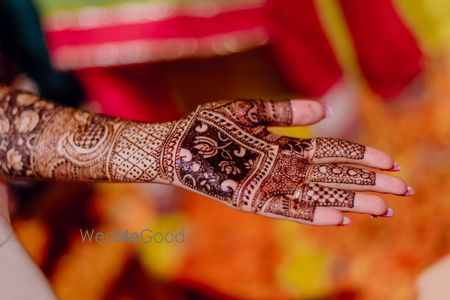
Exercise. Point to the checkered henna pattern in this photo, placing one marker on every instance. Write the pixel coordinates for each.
(222, 150)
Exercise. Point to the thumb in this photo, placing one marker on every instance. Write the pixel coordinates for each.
(292, 112)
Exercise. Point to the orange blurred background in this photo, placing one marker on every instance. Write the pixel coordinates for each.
(233, 255)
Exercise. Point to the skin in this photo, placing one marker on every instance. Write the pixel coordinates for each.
(21, 278)
(222, 150)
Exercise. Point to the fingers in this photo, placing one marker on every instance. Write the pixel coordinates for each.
(335, 150)
(300, 210)
(357, 179)
(323, 196)
(306, 112)
(322, 216)
(291, 112)
(367, 204)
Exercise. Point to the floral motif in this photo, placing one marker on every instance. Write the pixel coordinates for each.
(3, 144)
(296, 146)
(26, 99)
(212, 162)
(4, 125)
(229, 167)
(27, 121)
(14, 159)
(207, 146)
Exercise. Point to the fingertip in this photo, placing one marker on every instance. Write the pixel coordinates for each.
(392, 184)
(379, 159)
(328, 216)
(367, 203)
(306, 112)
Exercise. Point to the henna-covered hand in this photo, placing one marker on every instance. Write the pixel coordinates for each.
(222, 150)
(225, 151)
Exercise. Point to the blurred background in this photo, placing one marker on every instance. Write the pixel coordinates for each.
(384, 67)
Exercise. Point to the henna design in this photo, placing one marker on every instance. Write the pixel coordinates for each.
(222, 149)
(325, 196)
(136, 152)
(40, 139)
(329, 147)
(311, 197)
(291, 208)
(22, 116)
(225, 154)
(212, 162)
(300, 147)
(334, 173)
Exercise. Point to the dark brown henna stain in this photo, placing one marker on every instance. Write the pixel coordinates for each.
(291, 208)
(22, 118)
(137, 151)
(300, 147)
(222, 150)
(41, 139)
(326, 196)
(270, 178)
(335, 173)
(213, 162)
(332, 148)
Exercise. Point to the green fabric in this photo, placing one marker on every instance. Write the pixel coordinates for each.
(48, 7)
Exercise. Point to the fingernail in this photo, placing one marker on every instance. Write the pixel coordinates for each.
(409, 191)
(395, 167)
(389, 213)
(345, 221)
(328, 110)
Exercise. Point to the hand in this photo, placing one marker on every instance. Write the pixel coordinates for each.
(224, 150)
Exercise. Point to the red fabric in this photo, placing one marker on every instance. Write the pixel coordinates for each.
(135, 92)
(176, 27)
(387, 52)
(301, 47)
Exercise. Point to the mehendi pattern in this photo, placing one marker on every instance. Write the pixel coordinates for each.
(225, 153)
(222, 149)
(335, 173)
(330, 147)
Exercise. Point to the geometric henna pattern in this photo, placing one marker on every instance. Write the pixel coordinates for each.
(311, 196)
(286, 206)
(222, 150)
(330, 147)
(326, 196)
(214, 157)
(136, 152)
(335, 173)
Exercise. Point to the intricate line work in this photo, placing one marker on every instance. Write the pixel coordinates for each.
(222, 150)
(257, 112)
(334, 173)
(329, 147)
(40, 139)
(324, 196)
(291, 208)
(225, 153)
(300, 147)
(136, 152)
(22, 117)
(213, 163)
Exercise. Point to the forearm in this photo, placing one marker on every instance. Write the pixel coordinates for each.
(39, 139)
